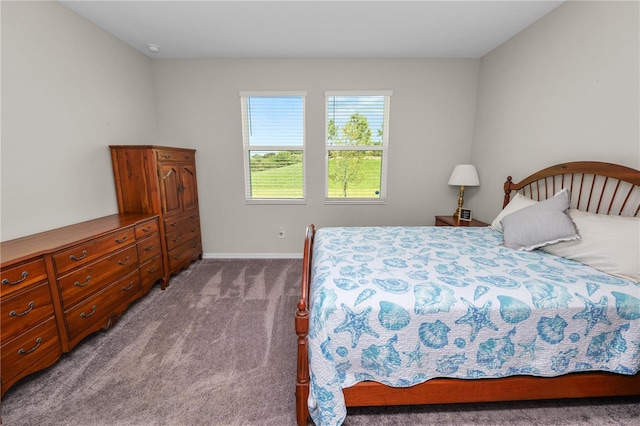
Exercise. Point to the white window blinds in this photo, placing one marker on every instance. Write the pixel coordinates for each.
(274, 142)
(357, 127)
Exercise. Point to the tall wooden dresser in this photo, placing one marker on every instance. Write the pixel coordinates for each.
(162, 180)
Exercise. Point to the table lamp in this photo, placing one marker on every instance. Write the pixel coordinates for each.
(463, 175)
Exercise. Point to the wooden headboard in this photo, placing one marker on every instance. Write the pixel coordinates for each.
(595, 187)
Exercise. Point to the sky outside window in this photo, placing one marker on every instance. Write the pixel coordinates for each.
(275, 120)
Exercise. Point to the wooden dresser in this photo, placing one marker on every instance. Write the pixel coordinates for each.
(162, 180)
(61, 285)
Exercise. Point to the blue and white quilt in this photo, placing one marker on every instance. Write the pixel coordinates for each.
(402, 305)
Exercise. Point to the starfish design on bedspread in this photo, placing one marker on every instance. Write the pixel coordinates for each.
(477, 318)
(414, 356)
(530, 348)
(425, 259)
(593, 313)
(356, 323)
(385, 270)
(335, 260)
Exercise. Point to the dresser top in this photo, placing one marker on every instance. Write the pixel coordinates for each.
(19, 249)
(150, 147)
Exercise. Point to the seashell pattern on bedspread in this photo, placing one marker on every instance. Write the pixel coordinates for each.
(402, 305)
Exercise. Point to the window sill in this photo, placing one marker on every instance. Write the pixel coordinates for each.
(335, 201)
(275, 201)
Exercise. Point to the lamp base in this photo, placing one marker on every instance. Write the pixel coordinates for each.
(456, 215)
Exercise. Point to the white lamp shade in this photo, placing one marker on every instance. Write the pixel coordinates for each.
(464, 175)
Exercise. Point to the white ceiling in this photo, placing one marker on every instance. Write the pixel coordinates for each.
(313, 29)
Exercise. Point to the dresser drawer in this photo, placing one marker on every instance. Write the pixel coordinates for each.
(148, 248)
(82, 282)
(143, 230)
(28, 348)
(185, 253)
(183, 234)
(25, 309)
(173, 155)
(85, 253)
(177, 222)
(18, 277)
(86, 316)
(150, 273)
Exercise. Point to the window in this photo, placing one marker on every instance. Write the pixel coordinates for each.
(357, 128)
(273, 140)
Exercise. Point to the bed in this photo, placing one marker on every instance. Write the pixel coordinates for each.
(432, 315)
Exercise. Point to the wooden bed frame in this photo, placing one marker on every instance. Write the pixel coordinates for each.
(596, 187)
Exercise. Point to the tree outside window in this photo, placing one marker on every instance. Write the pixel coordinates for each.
(356, 146)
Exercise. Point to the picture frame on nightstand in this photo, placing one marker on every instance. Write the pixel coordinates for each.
(465, 215)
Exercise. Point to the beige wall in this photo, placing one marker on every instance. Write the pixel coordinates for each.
(564, 89)
(431, 125)
(69, 90)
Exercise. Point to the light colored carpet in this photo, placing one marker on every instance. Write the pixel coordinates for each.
(218, 348)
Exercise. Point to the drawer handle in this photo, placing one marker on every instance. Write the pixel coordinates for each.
(93, 311)
(147, 229)
(187, 157)
(124, 262)
(77, 283)
(149, 248)
(84, 254)
(18, 281)
(122, 240)
(175, 240)
(23, 352)
(128, 288)
(193, 216)
(152, 270)
(15, 314)
(174, 224)
(167, 156)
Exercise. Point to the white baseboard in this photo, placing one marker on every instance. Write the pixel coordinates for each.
(252, 255)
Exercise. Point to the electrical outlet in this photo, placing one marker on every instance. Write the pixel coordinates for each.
(281, 233)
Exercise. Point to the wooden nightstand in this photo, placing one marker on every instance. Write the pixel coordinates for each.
(450, 221)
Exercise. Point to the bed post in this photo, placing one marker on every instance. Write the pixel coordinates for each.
(507, 191)
(302, 330)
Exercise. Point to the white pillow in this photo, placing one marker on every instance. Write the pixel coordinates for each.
(610, 244)
(541, 224)
(518, 202)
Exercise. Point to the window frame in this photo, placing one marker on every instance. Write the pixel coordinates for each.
(384, 148)
(247, 148)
